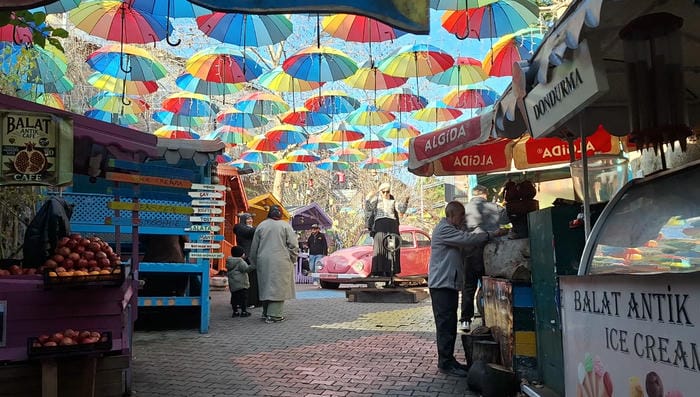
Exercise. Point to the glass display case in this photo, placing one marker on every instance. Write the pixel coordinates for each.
(651, 226)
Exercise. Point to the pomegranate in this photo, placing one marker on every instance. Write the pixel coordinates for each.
(43, 339)
(67, 341)
(103, 262)
(84, 334)
(72, 243)
(80, 249)
(29, 160)
(64, 241)
(74, 256)
(50, 344)
(58, 258)
(100, 255)
(57, 337)
(89, 255)
(50, 263)
(60, 269)
(82, 263)
(68, 264)
(94, 247)
(85, 242)
(76, 236)
(65, 251)
(15, 270)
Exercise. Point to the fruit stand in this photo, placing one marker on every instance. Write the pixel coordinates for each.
(66, 329)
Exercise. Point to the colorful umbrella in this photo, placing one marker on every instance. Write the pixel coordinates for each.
(194, 84)
(305, 117)
(371, 78)
(443, 5)
(245, 29)
(509, 49)
(465, 71)
(50, 99)
(350, 155)
(342, 134)
(114, 118)
(493, 20)
(375, 164)
(118, 21)
(330, 165)
(170, 8)
(126, 62)
(223, 158)
(393, 154)
(242, 164)
(416, 60)
(175, 132)
(39, 64)
(471, 98)
(236, 118)
(317, 143)
(302, 156)
(231, 135)
(60, 86)
(359, 29)
(259, 102)
(288, 166)
(57, 7)
(320, 64)
(287, 134)
(279, 80)
(222, 64)
(170, 118)
(404, 101)
(114, 103)
(437, 112)
(398, 130)
(371, 144)
(332, 102)
(264, 144)
(256, 156)
(368, 115)
(190, 104)
(106, 82)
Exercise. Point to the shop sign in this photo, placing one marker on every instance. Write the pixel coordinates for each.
(3, 323)
(631, 335)
(574, 84)
(37, 149)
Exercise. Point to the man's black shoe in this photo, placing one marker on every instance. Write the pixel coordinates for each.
(454, 371)
(460, 365)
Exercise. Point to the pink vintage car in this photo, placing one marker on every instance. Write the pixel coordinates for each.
(354, 264)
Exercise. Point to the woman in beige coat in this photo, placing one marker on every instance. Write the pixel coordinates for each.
(274, 253)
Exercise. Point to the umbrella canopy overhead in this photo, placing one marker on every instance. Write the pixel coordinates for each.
(305, 117)
(443, 5)
(371, 78)
(236, 118)
(332, 102)
(170, 118)
(43, 64)
(109, 83)
(114, 118)
(416, 60)
(288, 166)
(60, 86)
(404, 101)
(279, 80)
(259, 102)
(175, 132)
(359, 28)
(393, 154)
(127, 62)
(510, 49)
(470, 98)
(350, 155)
(118, 21)
(242, 165)
(437, 112)
(222, 64)
(256, 156)
(245, 29)
(114, 103)
(170, 8)
(330, 165)
(194, 84)
(50, 99)
(375, 164)
(190, 104)
(342, 133)
(231, 135)
(367, 144)
(492, 20)
(287, 135)
(57, 7)
(316, 143)
(465, 71)
(302, 156)
(320, 64)
(368, 115)
(398, 130)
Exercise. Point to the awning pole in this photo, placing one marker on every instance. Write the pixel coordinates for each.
(586, 192)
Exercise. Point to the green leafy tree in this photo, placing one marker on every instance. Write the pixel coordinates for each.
(42, 33)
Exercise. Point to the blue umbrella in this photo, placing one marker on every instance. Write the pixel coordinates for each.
(256, 156)
(170, 8)
(114, 118)
(60, 86)
(57, 7)
(170, 118)
(194, 84)
(236, 118)
(245, 29)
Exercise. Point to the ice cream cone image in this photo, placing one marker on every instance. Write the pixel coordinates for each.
(635, 387)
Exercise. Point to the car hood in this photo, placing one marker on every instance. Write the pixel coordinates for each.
(341, 261)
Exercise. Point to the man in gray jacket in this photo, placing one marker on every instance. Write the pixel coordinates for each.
(446, 278)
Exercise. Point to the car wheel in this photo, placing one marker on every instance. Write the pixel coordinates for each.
(329, 285)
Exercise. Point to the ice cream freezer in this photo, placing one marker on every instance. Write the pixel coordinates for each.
(630, 317)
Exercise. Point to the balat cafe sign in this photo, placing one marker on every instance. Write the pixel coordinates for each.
(35, 149)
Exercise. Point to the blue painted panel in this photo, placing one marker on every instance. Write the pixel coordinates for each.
(522, 296)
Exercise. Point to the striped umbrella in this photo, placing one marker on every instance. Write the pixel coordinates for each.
(242, 165)
(170, 118)
(320, 64)
(236, 118)
(349, 155)
(114, 118)
(332, 102)
(222, 64)
(176, 132)
(437, 112)
(305, 117)
(109, 83)
(403, 101)
(288, 166)
(190, 104)
(342, 133)
(471, 98)
(302, 156)
(259, 102)
(375, 164)
(194, 84)
(231, 135)
(368, 115)
(393, 154)
(331, 165)
(114, 103)
(256, 156)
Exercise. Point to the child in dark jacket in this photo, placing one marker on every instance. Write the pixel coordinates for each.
(238, 282)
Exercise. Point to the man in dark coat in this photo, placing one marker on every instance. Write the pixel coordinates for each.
(318, 248)
(50, 224)
(244, 231)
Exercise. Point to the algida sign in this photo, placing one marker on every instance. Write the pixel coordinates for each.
(36, 149)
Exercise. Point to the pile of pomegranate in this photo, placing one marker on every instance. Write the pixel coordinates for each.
(69, 337)
(15, 270)
(82, 256)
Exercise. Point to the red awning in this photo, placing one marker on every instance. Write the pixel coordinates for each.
(424, 149)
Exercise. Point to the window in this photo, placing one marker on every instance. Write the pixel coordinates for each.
(422, 240)
(407, 239)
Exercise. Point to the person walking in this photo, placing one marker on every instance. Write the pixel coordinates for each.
(382, 213)
(318, 248)
(238, 282)
(481, 216)
(244, 231)
(446, 280)
(274, 252)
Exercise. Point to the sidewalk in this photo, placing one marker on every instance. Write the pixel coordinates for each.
(327, 347)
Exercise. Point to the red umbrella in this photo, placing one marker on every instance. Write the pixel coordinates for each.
(404, 101)
(359, 29)
(118, 21)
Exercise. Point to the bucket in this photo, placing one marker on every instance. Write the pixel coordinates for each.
(606, 175)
